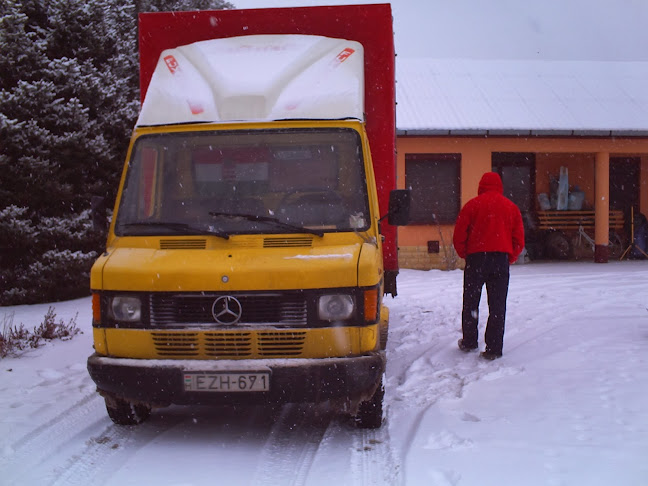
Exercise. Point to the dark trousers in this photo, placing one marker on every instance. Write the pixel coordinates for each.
(492, 269)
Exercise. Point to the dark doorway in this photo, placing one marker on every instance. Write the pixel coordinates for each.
(624, 184)
(517, 170)
(624, 189)
(518, 176)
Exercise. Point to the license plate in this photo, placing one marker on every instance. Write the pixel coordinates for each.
(227, 382)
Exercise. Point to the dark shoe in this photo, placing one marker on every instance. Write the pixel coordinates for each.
(490, 355)
(465, 348)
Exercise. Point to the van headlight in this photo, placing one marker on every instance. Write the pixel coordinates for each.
(126, 308)
(336, 307)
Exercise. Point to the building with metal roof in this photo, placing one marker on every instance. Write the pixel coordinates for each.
(531, 121)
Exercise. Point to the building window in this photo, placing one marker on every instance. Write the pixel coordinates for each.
(435, 182)
(517, 171)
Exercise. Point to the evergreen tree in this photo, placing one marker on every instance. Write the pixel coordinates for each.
(69, 97)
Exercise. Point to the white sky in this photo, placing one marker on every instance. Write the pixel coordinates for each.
(600, 30)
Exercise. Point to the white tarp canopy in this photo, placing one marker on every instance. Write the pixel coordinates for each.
(257, 77)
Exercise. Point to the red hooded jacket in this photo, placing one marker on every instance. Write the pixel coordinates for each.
(489, 222)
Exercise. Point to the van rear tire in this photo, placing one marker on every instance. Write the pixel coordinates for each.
(123, 412)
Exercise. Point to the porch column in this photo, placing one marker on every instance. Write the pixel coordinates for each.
(602, 207)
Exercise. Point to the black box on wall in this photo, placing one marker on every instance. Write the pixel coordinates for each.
(433, 246)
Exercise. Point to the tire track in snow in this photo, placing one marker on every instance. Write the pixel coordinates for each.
(292, 445)
(88, 466)
(373, 462)
(29, 453)
(109, 450)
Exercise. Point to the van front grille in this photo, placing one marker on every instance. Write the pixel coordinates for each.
(275, 344)
(170, 345)
(183, 310)
(229, 345)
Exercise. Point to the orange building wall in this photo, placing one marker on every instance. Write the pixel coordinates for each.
(578, 154)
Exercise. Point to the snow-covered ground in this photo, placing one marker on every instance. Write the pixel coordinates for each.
(566, 405)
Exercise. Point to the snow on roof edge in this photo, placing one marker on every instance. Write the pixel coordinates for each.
(498, 97)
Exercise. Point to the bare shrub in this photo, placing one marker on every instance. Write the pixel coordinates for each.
(16, 338)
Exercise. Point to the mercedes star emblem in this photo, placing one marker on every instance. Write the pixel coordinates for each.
(227, 310)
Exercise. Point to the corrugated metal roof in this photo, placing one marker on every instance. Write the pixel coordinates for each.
(466, 97)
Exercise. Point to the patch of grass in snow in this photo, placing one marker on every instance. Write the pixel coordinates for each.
(16, 338)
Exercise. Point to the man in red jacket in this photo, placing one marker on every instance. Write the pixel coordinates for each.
(489, 235)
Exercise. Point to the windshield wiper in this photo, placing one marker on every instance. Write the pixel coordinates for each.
(178, 228)
(268, 219)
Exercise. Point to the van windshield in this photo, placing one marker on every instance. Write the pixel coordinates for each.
(242, 182)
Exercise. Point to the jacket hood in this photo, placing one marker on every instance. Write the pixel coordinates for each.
(491, 181)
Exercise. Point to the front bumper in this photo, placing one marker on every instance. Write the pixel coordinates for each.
(160, 382)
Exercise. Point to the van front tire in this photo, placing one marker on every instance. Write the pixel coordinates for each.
(370, 413)
(123, 412)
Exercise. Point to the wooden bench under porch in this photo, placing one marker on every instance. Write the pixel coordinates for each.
(564, 239)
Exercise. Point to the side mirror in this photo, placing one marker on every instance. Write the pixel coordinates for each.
(98, 211)
(399, 207)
